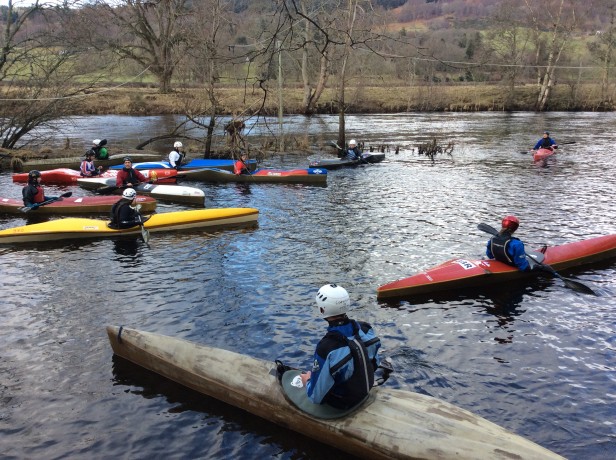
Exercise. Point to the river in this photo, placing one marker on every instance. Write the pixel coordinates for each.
(536, 358)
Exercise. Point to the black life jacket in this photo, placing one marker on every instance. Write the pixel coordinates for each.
(499, 245)
(116, 219)
(354, 390)
(546, 143)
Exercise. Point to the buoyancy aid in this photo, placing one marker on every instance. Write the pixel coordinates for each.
(499, 245)
(351, 392)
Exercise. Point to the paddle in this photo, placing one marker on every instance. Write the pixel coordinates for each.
(360, 159)
(51, 200)
(108, 189)
(575, 285)
(562, 143)
(145, 234)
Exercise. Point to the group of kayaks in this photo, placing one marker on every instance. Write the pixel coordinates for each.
(161, 185)
(390, 423)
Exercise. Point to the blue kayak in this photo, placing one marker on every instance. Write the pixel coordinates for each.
(197, 163)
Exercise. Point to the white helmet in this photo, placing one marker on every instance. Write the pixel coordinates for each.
(177, 145)
(352, 142)
(96, 142)
(332, 300)
(129, 194)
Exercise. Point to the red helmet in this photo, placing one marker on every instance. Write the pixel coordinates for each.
(511, 223)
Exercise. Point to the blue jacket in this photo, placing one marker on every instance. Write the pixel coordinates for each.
(507, 249)
(544, 143)
(333, 380)
(352, 154)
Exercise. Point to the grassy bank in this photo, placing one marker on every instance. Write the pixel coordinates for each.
(362, 99)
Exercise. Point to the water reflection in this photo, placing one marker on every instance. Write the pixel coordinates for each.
(499, 354)
(127, 250)
(215, 419)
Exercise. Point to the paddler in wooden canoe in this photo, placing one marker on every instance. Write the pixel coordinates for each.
(345, 361)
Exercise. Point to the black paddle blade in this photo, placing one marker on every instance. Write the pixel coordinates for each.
(106, 190)
(487, 228)
(579, 287)
(67, 194)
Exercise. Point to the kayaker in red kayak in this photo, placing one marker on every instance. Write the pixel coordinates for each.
(345, 359)
(33, 193)
(87, 168)
(546, 142)
(129, 176)
(506, 248)
(241, 167)
(125, 214)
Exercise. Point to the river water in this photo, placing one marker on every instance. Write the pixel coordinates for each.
(535, 358)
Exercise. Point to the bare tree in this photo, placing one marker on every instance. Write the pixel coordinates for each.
(559, 24)
(38, 74)
(509, 43)
(151, 33)
(602, 49)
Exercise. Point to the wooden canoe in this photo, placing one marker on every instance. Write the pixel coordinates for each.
(468, 273)
(391, 424)
(43, 164)
(76, 205)
(73, 228)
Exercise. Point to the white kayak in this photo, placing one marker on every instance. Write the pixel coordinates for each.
(175, 193)
(390, 424)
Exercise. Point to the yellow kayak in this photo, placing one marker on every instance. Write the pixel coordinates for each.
(72, 228)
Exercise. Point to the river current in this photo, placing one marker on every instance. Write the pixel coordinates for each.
(534, 357)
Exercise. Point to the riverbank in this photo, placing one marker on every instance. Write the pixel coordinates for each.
(359, 99)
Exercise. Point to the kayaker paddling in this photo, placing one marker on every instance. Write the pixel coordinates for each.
(546, 142)
(352, 152)
(33, 193)
(505, 248)
(241, 165)
(125, 213)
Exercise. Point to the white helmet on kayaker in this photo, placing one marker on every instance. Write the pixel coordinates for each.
(352, 143)
(177, 145)
(129, 194)
(96, 142)
(332, 300)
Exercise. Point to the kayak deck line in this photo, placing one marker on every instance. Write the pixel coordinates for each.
(392, 424)
(73, 227)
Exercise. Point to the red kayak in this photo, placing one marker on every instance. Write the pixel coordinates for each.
(66, 176)
(542, 154)
(464, 273)
(75, 205)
